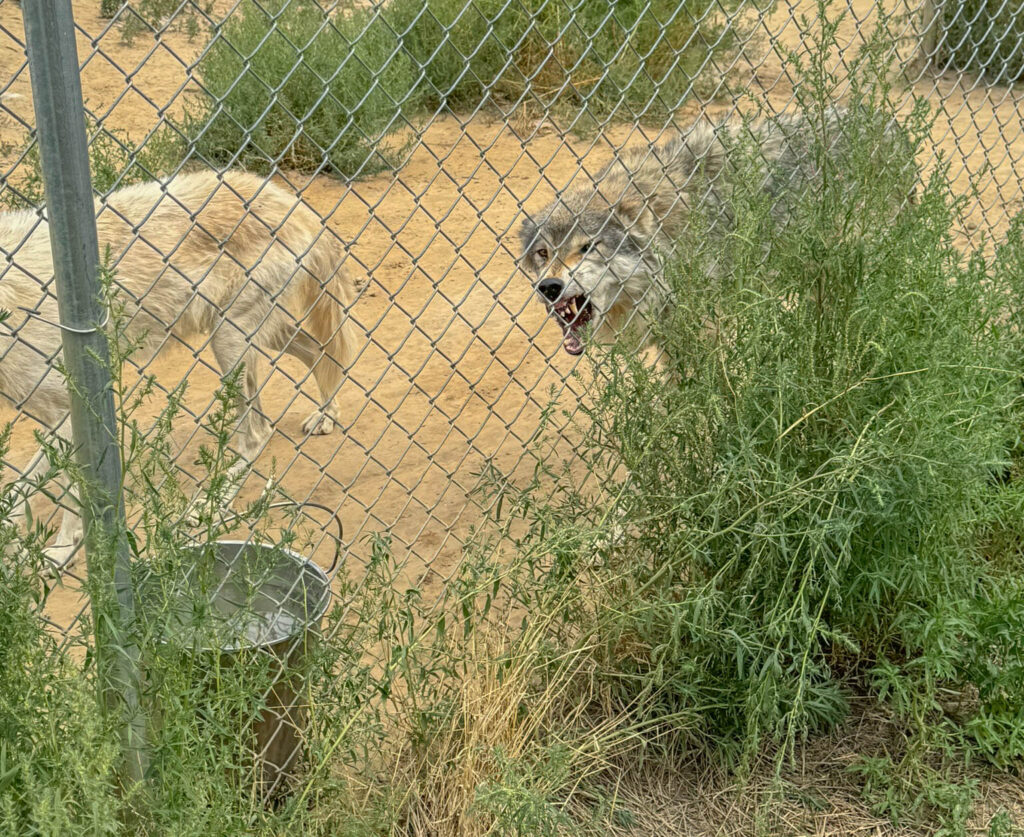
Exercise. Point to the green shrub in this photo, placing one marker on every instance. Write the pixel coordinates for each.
(802, 510)
(295, 85)
(162, 16)
(114, 161)
(983, 36)
(632, 59)
(291, 85)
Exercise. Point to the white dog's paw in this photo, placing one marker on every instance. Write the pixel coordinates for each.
(319, 423)
(62, 556)
(614, 538)
(197, 513)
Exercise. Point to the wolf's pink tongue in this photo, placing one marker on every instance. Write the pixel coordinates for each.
(572, 344)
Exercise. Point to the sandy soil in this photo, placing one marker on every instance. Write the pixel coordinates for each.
(459, 362)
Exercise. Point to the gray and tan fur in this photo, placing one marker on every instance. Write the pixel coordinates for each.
(228, 258)
(595, 253)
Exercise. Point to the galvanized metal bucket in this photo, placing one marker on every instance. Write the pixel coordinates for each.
(256, 598)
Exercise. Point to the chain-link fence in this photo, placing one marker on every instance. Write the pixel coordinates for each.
(418, 134)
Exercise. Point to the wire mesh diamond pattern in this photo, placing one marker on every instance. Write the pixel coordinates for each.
(419, 134)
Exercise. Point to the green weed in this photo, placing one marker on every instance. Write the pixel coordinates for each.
(115, 161)
(57, 751)
(983, 36)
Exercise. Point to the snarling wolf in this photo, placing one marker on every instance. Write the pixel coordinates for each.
(228, 258)
(595, 254)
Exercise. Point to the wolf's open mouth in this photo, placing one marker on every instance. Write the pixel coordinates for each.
(573, 314)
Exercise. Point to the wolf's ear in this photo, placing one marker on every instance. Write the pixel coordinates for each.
(635, 215)
(527, 236)
(527, 232)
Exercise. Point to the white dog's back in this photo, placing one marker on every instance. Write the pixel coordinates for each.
(187, 256)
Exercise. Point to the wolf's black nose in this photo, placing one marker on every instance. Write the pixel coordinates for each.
(551, 288)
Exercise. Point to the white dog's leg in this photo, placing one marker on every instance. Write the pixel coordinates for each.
(63, 551)
(328, 375)
(36, 468)
(230, 348)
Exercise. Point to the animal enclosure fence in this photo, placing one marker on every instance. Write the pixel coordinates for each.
(419, 134)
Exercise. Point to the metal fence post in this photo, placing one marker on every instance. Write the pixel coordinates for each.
(60, 125)
(931, 31)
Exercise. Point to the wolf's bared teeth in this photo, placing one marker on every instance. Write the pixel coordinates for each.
(574, 310)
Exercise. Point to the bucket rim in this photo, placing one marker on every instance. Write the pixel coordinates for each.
(313, 618)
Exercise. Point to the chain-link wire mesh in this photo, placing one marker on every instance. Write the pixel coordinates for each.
(418, 134)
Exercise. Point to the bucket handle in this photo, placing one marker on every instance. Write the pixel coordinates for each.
(339, 541)
(281, 504)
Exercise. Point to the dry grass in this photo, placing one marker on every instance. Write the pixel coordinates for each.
(499, 718)
(530, 748)
(816, 794)
(509, 715)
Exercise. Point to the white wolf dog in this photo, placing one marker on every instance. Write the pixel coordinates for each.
(230, 258)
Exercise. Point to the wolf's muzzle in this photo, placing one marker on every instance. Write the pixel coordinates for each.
(551, 289)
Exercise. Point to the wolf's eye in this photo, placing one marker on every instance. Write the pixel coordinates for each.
(586, 247)
(541, 253)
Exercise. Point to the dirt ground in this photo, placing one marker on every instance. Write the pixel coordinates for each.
(459, 362)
